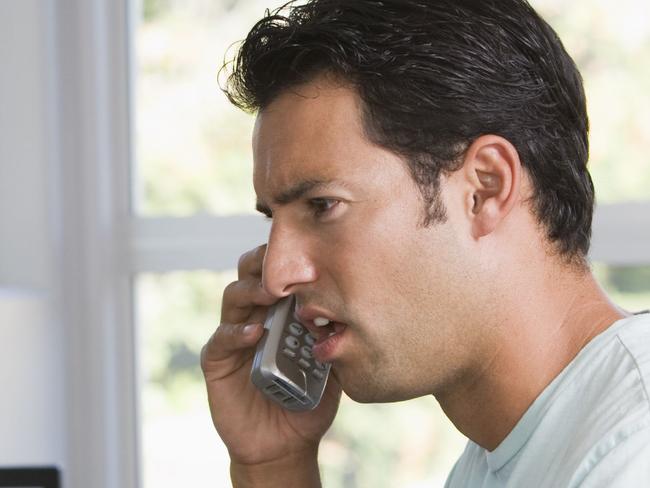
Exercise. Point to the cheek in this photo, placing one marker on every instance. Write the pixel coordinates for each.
(418, 282)
(383, 282)
(369, 259)
(386, 268)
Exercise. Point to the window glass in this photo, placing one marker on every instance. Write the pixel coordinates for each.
(193, 149)
(175, 314)
(404, 444)
(610, 42)
(193, 155)
(407, 444)
(628, 286)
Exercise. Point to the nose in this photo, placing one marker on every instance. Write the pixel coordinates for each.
(287, 262)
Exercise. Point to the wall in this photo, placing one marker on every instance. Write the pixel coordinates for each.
(32, 379)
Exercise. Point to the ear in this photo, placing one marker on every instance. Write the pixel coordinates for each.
(492, 172)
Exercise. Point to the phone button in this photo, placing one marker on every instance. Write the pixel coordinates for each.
(319, 365)
(310, 339)
(303, 363)
(305, 352)
(296, 329)
(319, 375)
(292, 342)
(289, 353)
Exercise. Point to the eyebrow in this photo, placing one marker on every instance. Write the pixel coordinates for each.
(294, 193)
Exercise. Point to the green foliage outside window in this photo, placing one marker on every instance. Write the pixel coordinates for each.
(193, 148)
(193, 155)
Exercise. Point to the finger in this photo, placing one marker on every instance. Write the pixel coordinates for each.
(228, 340)
(250, 263)
(258, 315)
(240, 298)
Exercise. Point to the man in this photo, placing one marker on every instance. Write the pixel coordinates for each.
(424, 164)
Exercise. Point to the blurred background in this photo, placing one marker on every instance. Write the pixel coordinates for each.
(126, 196)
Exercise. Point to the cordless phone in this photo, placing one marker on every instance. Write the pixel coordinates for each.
(283, 367)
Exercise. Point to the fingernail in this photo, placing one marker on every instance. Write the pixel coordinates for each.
(249, 329)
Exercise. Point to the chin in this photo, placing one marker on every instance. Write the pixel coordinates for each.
(364, 391)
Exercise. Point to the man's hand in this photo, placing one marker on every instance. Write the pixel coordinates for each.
(267, 444)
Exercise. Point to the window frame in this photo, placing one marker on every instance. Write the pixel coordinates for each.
(102, 246)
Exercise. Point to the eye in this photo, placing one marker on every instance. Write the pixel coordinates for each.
(322, 206)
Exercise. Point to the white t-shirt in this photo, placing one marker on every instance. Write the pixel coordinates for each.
(589, 428)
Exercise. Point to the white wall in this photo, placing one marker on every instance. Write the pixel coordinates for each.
(23, 211)
(32, 375)
(31, 420)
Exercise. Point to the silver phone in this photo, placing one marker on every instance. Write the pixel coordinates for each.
(284, 368)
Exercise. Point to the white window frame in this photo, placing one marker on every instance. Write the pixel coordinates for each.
(102, 246)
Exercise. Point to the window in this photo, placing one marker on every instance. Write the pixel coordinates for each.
(165, 201)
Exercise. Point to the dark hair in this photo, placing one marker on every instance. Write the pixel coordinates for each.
(434, 75)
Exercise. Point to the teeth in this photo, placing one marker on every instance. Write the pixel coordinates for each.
(321, 321)
(331, 334)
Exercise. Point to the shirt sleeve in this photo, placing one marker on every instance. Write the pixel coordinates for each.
(626, 465)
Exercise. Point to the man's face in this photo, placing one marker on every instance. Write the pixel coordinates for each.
(346, 239)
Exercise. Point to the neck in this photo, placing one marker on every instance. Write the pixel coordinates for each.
(532, 344)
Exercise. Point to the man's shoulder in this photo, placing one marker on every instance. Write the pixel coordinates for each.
(612, 371)
(606, 414)
(617, 462)
(635, 337)
(609, 392)
(595, 413)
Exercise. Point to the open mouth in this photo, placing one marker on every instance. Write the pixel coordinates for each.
(328, 338)
(328, 330)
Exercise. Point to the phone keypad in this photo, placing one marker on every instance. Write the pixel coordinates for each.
(289, 353)
(292, 342)
(305, 352)
(296, 329)
(299, 343)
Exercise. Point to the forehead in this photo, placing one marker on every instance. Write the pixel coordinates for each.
(310, 133)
